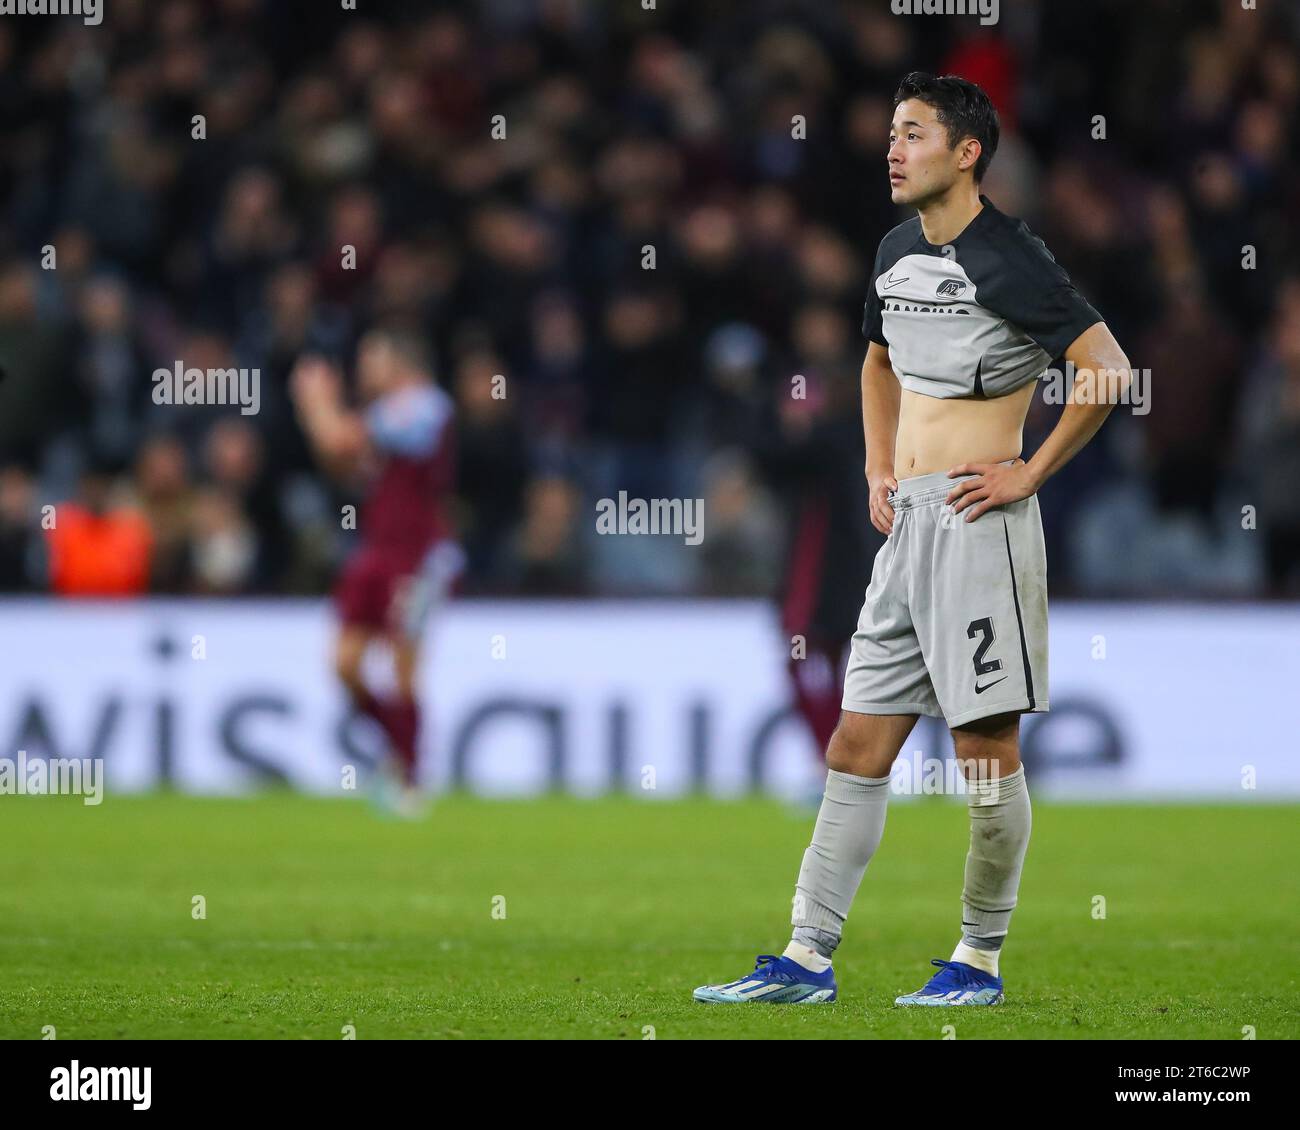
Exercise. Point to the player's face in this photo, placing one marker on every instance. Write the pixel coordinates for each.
(921, 166)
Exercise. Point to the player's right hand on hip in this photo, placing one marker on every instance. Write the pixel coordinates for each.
(882, 514)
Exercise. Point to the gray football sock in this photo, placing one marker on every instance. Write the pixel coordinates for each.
(999, 836)
(848, 830)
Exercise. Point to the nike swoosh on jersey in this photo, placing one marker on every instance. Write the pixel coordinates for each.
(987, 686)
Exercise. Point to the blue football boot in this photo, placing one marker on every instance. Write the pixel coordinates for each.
(775, 980)
(956, 983)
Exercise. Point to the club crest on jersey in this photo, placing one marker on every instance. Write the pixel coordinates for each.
(949, 288)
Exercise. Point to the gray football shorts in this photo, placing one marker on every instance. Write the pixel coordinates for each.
(955, 619)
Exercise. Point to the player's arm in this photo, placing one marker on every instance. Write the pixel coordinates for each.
(1032, 291)
(336, 433)
(1102, 377)
(881, 397)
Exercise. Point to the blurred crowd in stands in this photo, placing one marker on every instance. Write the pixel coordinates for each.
(1153, 146)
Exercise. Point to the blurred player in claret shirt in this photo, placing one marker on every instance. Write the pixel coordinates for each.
(400, 443)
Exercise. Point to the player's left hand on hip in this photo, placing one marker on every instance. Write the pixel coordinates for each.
(993, 485)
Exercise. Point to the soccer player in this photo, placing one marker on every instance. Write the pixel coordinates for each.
(965, 311)
(407, 561)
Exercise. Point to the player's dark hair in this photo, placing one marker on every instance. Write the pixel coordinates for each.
(963, 109)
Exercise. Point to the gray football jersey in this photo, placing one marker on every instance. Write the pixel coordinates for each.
(981, 319)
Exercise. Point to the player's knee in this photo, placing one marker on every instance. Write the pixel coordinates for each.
(852, 751)
(993, 741)
(840, 752)
(867, 745)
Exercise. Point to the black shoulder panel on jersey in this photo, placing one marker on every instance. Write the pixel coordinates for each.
(1016, 277)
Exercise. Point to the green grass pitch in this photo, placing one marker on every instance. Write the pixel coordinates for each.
(572, 918)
